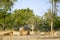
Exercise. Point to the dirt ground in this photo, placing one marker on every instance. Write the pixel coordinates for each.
(30, 37)
(39, 36)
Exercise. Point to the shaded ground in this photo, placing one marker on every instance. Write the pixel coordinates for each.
(39, 36)
(30, 37)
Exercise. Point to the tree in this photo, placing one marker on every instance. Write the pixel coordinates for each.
(9, 21)
(57, 24)
(31, 21)
(54, 10)
(54, 5)
(22, 17)
(38, 23)
(5, 6)
(50, 18)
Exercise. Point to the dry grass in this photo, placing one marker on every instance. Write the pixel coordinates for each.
(39, 36)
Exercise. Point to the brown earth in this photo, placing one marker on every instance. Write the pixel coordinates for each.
(30, 37)
(38, 36)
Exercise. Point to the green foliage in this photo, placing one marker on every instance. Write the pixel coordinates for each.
(22, 16)
(5, 6)
(57, 24)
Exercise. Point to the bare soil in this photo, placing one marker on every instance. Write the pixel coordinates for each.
(39, 36)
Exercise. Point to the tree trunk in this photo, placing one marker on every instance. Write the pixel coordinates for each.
(3, 26)
(54, 8)
(51, 26)
(52, 17)
(32, 27)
